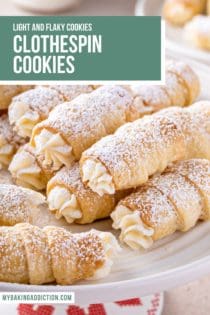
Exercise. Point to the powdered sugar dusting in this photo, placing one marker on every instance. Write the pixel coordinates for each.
(199, 130)
(142, 148)
(74, 256)
(17, 204)
(44, 255)
(8, 134)
(71, 177)
(154, 208)
(173, 200)
(188, 77)
(173, 93)
(197, 171)
(41, 100)
(148, 145)
(184, 196)
(91, 204)
(69, 92)
(12, 250)
(7, 92)
(89, 117)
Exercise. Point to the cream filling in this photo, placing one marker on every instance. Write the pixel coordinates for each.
(6, 152)
(97, 178)
(111, 250)
(23, 118)
(65, 204)
(26, 171)
(55, 151)
(133, 231)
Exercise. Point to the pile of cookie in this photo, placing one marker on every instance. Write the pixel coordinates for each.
(193, 15)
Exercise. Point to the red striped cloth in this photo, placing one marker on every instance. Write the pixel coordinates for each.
(151, 305)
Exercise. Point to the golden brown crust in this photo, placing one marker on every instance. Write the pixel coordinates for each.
(85, 248)
(142, 148)
(175, 200)
(148, 145)
(179, 12)
(40, 100)
(19, 205)
(27, 171)
(197, 172)
(89, 117)
(8, 134)
(155, 210)
(13, 260)
(37, 256)
(7, 92)
(181, 89)
(93, 206)
(188, 77)
(47, 172)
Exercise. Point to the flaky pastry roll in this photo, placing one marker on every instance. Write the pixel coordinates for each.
(181, 89)
(9, 141)
(32, 255)
(27, 171)
(179, 12)
(188, 77)
(173, 201)
(68, 197)
(18, 205)
(7, 92)
(140, 149)
(31, 107)
(73, 127)
(197, 32)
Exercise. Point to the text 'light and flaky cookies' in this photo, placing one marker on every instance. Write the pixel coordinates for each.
(197, 32)
(27, 171)
(181, 89)
(173, 201)
(32, 255)
(140, 149)
(18, 205)
(74, 126)
(68, 197)
(31, 107)
(179, 12)
(7, 92)
(9, 141)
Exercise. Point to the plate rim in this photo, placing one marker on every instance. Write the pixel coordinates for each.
(124, 289)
